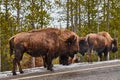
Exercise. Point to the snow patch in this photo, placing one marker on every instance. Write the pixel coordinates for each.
(56, 67)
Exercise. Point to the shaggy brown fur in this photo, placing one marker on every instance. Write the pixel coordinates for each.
(48, 43)
(99, 42)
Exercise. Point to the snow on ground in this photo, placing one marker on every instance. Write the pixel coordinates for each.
(56, 67)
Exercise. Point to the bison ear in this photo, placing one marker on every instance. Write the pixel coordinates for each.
(71, 39)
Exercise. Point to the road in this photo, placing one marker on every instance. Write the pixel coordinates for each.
(108, 70)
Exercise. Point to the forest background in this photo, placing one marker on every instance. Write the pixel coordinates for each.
(80, 16)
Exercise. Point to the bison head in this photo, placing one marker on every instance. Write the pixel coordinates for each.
(72, 47)
(72, 43)
(114, 45)
(83, 45)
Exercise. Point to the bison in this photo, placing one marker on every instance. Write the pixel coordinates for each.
(100, 42)
(48, 43)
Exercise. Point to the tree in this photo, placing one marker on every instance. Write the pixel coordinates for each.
(0, 35)
(71, 14)
(108, 15)
(67, 5)
(80, 16)
(6, 19)
(76, 16)
(38, 16)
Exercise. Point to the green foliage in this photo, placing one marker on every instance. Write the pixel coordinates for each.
(37, 15)
(87, 16)
(10, 23)
(6, 62)
(56, 61)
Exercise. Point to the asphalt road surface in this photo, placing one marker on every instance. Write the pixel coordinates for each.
(108, 70)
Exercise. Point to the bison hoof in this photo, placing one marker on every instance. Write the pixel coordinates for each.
(14, 73)
(45, 66)
(50, 69)
(21, 72)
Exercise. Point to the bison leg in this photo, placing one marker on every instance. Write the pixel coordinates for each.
(20, 69)
(106, 55)
(90, 55)
(49, 63)
(44, 61)
(75, 59)
(99, 56)
(49, 67)
(16, 61)
(14, 66)
(60, 60)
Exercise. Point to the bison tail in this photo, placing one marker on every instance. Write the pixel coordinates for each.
(11, 45)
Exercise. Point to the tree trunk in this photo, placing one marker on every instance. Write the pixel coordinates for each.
(67, 5)
(98, 21)
(76, 16)
(42, 14)
(108, 15)
(0, 55)
(18, 15)
(79, 16)
(71, 13)
(104, 11)
(0, 42)
(88, 13)
(6, 10)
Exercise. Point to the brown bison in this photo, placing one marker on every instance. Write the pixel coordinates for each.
(48, 43)
(100, 42)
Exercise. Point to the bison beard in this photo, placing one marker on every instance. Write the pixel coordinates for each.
(48, 43)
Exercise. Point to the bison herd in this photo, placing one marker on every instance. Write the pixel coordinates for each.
(51, 43)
